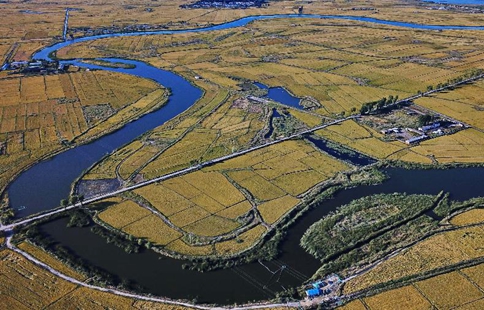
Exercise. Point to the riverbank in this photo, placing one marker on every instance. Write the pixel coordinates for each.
(120, 117)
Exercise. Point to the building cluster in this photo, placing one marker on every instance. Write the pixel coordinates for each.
(412, 136)
(35, 66)
(325, 287)
(476, 9)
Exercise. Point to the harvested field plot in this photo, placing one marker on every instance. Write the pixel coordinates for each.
(437, 289)
(123, 214)
(153, 229)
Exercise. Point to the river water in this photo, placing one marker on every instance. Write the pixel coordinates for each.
(45, 184)
(165, 277)
(42, 186)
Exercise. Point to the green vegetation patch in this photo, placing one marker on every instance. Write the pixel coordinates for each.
(362, 220)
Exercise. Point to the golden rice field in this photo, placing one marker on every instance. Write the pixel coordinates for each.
(273, 210)
(470, 217)
(227, 129)
(409, 155)
(407, 297)
(20, 24)
(153, 229)
(340, 64)
(211, 202)
(38, 114)
(20, 279)
(466, 146)
(213, 127)
(460, 289)
(361, 138)
(463, 103)
(308, 119)
(441, 250)
(437, 290)
(123, 214)
(241, 242)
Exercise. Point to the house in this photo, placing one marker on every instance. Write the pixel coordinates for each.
(18, 64)
(416, 139)
(429, 127)
(391, 130)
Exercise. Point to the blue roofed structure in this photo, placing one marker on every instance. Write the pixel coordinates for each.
(314, 292)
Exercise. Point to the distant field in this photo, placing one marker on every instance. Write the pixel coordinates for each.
(341, 69)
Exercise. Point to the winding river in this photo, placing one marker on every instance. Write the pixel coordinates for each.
(42, 186)
(46, 183)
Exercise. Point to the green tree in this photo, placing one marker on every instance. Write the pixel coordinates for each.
(73, 199)
(424, 119)
(64, 203)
